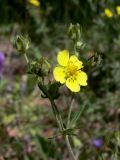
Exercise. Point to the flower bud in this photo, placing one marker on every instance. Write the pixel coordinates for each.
(40, 68)
(96, 59)
(74, 32)
(45, 66)
(22, 44)
(79, 45)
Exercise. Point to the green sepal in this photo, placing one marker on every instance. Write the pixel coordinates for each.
(53, 90)
(69, 131)
(43, 88)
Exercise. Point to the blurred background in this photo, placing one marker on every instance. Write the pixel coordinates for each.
(26, 119)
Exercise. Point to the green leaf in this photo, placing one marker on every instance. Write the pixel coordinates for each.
(47, 148)
(31, 82)
(77, 115)
(9, 118)
(68, 131)
(28, 157)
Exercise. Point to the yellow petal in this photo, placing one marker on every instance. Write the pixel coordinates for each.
(59, 74)
(82, 78)
(76, 62)
(108, 12)
(35, 2)
(118, 9)
(73, 85)
(63, 57)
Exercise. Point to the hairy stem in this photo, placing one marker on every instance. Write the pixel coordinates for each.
(58, 116)
(60, 123)
(26, 58)
(69, 148)
(69, 113)
(67, 137)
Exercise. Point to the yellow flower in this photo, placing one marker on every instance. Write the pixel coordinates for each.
(69, 71)
(108, 12)
(34, 2)
(118, 10)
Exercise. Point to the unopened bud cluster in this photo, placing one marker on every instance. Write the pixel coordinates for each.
(96, 59)
(74, 33)
(22, 44)
(40, 68)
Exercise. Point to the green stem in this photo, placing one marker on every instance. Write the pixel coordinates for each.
(54, 107)
(69, 113)
(69, 148)
(60, 123)
(58, 116)
(75, 51)
(67, 137)
(26, 58)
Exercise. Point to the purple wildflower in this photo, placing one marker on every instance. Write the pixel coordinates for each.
(2, 59)
(97, 142)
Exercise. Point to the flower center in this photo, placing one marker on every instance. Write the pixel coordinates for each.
(71, 70)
